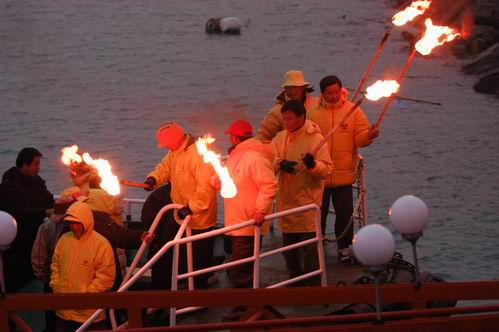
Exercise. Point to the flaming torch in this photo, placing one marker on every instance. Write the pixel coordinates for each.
(72, 158)
(416, 8)
(228, 189)
(433, 36)
(408, 14)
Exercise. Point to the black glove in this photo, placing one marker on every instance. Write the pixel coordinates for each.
(287, 166)
(309, 160)
(184, 212)
(150, 182)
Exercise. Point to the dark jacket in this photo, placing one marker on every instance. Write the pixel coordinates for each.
(26, 198)
(118, 236)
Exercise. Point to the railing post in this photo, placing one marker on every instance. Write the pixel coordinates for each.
(190, 261)
(320, 247)
(363, 191)
(256, 256)
(173, 310)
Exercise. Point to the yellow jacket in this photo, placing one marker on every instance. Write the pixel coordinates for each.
(84, 265)
(342, 146)
(272, 123)
(304, 186)
(250, 166)
(101, 201)
(190, 183)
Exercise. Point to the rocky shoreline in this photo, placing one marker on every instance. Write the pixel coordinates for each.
(478, 21)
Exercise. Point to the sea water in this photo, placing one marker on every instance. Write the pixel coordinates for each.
(104, 74)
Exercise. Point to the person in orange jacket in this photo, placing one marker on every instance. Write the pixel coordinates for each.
(250, 167)
(295, 88)
(342, 147)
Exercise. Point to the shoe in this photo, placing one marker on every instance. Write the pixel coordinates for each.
(234, 314)
(344, 255)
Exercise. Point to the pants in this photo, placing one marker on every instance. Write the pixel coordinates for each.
(300, 260)
(202, 255)
(50, 317)
(342, 198)
(241, 276)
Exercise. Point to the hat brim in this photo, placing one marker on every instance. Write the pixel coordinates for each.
(304, 84)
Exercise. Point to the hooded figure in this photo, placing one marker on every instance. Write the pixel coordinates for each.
(83, 262)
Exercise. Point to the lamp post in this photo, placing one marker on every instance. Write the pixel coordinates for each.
(373, 246)
(409, 215)
(8, 231)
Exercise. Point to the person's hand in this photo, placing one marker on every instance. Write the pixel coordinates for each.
(147, 237)
(48, 212)
(309, 160)
(215, 182)
(184, 212)
(259, 217)
(287, 166)
(150, 182)
(373, 133)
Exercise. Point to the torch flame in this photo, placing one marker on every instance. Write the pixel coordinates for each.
(382, 89)
(416, 8)
(109, 182)
(228, 189)
(434, 36)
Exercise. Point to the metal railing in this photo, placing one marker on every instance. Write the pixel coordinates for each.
(177, 241)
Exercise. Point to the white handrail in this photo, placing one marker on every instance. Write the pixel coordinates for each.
(179, 241)
(256, 257)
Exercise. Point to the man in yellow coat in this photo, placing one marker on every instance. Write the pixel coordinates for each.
(250, 167)
(83, 262)
(342, 147)
(299, 185)
(183, 167)
(295, 88)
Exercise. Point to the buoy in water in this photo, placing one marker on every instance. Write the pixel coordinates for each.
(229, 25)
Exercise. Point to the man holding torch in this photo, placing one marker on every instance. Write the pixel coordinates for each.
(189, 176)
(354, 133)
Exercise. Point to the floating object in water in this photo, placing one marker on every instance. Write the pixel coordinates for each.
(229, 25)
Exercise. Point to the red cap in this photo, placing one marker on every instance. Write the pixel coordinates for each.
(241, 128)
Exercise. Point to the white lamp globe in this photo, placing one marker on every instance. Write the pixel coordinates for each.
(8, 228)
(373, 245)
(409, 214)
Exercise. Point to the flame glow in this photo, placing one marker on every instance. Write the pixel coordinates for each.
(228, 189)
(434, 36)
(382, 89)
(416, 8)
(110, 183)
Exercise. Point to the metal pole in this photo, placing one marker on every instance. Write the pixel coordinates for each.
(256, 255)
(320, 248)
(401, 76)
(371, 64)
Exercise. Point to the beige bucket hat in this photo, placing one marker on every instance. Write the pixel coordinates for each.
(294, 78)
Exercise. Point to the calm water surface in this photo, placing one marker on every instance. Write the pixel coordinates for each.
(104, 75)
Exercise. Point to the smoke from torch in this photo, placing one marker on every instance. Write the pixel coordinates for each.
(228, 189)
